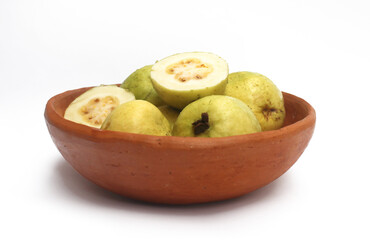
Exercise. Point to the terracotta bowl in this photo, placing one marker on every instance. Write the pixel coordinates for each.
(178, 170)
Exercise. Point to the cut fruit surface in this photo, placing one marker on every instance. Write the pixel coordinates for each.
(182, 78)
(92, 107)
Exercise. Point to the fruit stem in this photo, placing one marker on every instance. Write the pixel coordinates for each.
(201, 125)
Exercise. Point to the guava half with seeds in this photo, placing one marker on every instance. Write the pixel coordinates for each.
(261, 95)
(140, 84)
(185, 77)
(92, 107)
(216, 116)
(138, 116)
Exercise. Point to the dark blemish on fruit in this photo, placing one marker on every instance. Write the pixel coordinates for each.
(170, 172)
(201, 125)
(267, 112)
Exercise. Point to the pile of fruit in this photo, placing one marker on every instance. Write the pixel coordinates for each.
(186, 94)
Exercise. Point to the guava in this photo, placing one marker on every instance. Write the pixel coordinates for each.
(216, 116)
(261, 95)
(92, 107)
(185, 77)
(140, 84)
(138, 116)
(170, 113)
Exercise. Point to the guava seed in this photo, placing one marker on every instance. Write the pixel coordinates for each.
(97, 109)
(189, 69)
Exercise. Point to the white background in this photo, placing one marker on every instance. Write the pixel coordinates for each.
(318, 50)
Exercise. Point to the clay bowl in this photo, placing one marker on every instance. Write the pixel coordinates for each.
(178, 170)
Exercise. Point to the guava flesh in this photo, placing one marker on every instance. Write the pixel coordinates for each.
(92, 107)
(185, 77)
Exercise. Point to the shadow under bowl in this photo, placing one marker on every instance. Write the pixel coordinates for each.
(180, 170)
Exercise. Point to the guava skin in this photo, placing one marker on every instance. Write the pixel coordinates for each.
(226, 116)
(170, 113)
(138, 116)
(140, 84)
(261, 95)
(180, 99)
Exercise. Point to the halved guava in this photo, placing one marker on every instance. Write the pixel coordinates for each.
(185, 77)
(92, 107)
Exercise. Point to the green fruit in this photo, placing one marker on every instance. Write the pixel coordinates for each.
(92, 107)
(170, 113)
(261, 95)
(140, 84)
(216, 116)
(185, 77)
(138, 116)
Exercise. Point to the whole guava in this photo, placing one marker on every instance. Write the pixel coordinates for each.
(140, 84)
(261, 95)
(138, 116)
(216, 116)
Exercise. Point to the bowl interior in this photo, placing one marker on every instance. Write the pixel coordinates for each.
(296, 108)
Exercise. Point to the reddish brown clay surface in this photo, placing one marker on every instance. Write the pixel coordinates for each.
(178, 170)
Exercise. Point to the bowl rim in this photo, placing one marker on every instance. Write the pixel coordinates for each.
(98, 135)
